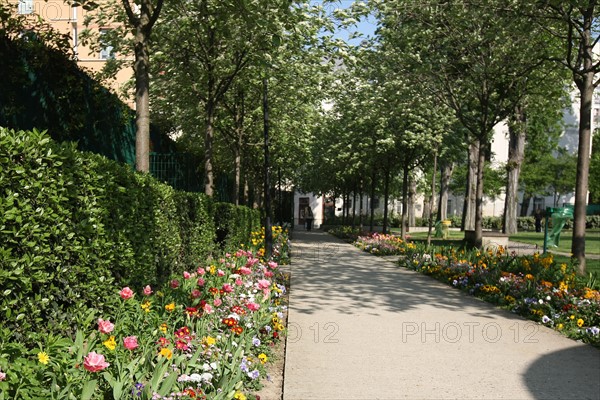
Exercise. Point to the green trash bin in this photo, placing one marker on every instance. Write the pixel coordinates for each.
(559, 218)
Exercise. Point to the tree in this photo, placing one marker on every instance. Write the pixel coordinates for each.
(203, 49)
(477, 55)
(131, 28)
(576, 23)
(142, 16)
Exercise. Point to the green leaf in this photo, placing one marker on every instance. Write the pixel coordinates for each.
(88, 389)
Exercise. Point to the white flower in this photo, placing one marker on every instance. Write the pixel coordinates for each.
(541, 301)
(548, 298)
(206, 377)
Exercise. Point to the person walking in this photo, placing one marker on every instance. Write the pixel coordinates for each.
(309, 218)
(538, 219)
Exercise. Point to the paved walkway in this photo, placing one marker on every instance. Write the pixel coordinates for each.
(362, 328)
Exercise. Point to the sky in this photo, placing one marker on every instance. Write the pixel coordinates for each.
(365, 26)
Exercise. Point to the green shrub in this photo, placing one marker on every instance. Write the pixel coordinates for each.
(196, 228)
(494, 223)
(234, 225)
(56, 256)
(74, 225)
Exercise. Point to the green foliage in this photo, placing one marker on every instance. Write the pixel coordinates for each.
(56, 254)
(197, 228)
(234, 225)
(73, 224)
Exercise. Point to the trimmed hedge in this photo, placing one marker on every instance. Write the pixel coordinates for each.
(75, 226)
(234, 225)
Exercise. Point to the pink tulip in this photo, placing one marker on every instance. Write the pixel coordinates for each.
(251, 261)
(227, 288)
(269, 274)
(174, 284)
(94, 362)
(186, 275)
(220, 273)
(126, 293)
(263, 284)
(239, 282)
(105, 326)
(147, 290)
(201, 282)
(201, 271)
(196, 293)
(217, 302)
(245, 271)
(272, 264)
(253, 306)
(130, 342)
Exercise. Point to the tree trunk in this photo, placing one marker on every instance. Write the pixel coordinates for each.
(386, 197)
(426, 210)
(516, 153)
(471, 191)
(246, 192)
(586, 87)
(412, 194)
(360, 214)
(478, 239)
(142, 24)
(208, 148)
(237, 174)
(267, 176)
(239, 129)
(446, 175)
(142, 101)
(431, 206)
(404, 201)
(372, 216)
(354, 207)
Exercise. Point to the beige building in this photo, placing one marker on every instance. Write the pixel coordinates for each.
(69, 20)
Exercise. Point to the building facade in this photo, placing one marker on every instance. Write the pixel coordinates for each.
(70, 20)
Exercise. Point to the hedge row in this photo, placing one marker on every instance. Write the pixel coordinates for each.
(75, 225)
(523, 223)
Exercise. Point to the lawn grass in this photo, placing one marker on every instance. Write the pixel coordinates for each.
(592, 240)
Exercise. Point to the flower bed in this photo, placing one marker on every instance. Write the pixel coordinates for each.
(535, 286)
(382, 244)
(208, 334)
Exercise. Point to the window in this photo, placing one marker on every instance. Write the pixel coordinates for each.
(106, 52)
(25, 6)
